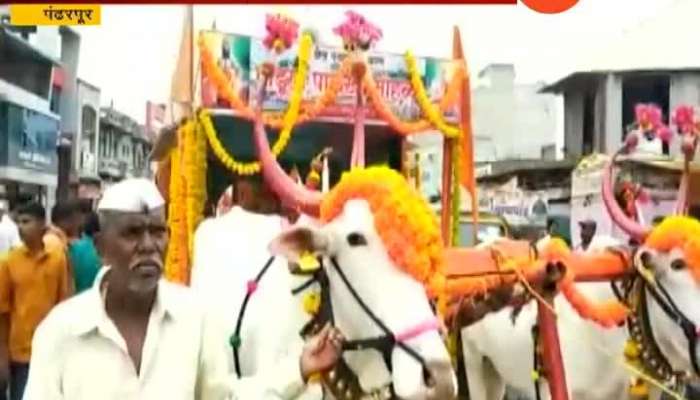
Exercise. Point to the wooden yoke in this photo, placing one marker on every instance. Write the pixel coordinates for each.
(510, 273)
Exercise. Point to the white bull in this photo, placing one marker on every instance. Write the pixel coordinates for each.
(667, 266)
(499, 353)
(391, 285)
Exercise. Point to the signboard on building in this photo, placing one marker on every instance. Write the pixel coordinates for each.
(515, 204)
(29, 139)
(241, 57)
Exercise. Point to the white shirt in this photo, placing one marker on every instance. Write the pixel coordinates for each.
(78, 354)
(653, 147)
(9, 234)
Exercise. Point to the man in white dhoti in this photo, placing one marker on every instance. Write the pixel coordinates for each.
(136, 336)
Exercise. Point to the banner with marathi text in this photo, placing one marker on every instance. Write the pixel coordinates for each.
(241, 57)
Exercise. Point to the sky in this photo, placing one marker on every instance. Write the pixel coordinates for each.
(132, 55)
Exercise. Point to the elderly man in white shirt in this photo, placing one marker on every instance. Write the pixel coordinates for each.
(135, 336)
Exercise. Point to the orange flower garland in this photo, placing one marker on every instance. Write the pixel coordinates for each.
(177, 258)
(682, 233)
(309, 112)
(289, 120)
(195, 163)
(518, 257)
(434, 115)
(408, 128)
(403, 219)
(223, 85)
(274, 120)
(608, 314)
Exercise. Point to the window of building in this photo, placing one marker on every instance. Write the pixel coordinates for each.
(89, 127)
(55, 100)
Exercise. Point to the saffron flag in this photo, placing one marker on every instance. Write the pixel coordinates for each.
(468, 174)
(182, 85)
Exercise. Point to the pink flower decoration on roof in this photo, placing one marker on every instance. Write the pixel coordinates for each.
(648, 116)
(357, 32)
(281, 30)
(684, 119)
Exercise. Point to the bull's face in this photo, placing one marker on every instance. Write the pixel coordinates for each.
(398, 299)
(672, 274)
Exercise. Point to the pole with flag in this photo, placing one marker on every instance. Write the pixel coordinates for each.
(466, 145)
(181, 102)
(183, 81)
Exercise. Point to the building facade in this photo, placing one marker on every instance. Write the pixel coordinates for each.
(85, 147)
(123, 147)
(518, 120)
(598, 106)
(30, 69)
(648, 64)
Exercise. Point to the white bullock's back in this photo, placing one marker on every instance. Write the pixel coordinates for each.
(591, 374)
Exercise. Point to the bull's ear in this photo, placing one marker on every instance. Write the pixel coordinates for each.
(645, 260)
(299, 242)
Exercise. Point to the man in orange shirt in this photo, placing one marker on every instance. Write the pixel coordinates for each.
(33, 279)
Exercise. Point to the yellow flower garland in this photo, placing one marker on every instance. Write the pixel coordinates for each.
(177, 257)
(288, 122)
(195, 162)
(423, 101)
(227, 90)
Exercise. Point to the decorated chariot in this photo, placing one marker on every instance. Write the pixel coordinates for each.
(371, 256)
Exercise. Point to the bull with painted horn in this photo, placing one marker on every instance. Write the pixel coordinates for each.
(381, 273)
(664, 293)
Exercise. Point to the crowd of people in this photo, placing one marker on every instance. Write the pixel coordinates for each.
(78, 323)
(40, 265)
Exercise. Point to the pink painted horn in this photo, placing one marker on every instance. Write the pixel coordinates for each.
(633, 228)
(307, 200)
(688, 146)
(682, 200)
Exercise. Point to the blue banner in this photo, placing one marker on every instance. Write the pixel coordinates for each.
(30, 139)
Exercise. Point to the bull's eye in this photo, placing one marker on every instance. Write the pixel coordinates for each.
(678, 265)
(356, 239)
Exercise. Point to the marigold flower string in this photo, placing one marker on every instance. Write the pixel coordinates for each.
(288, 122)
(431, 113)
(176, 261)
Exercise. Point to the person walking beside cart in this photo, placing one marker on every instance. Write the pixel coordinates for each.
(146, 338)
(33, 279)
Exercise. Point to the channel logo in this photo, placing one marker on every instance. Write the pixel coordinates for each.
(550, 6)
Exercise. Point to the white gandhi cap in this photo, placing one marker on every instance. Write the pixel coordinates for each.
(131, 195)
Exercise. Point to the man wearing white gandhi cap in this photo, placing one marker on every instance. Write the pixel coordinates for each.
(136, 336)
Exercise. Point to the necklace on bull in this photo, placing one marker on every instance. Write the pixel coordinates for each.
(641, 349)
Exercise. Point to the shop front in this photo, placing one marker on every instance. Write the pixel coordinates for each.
(28, 158)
